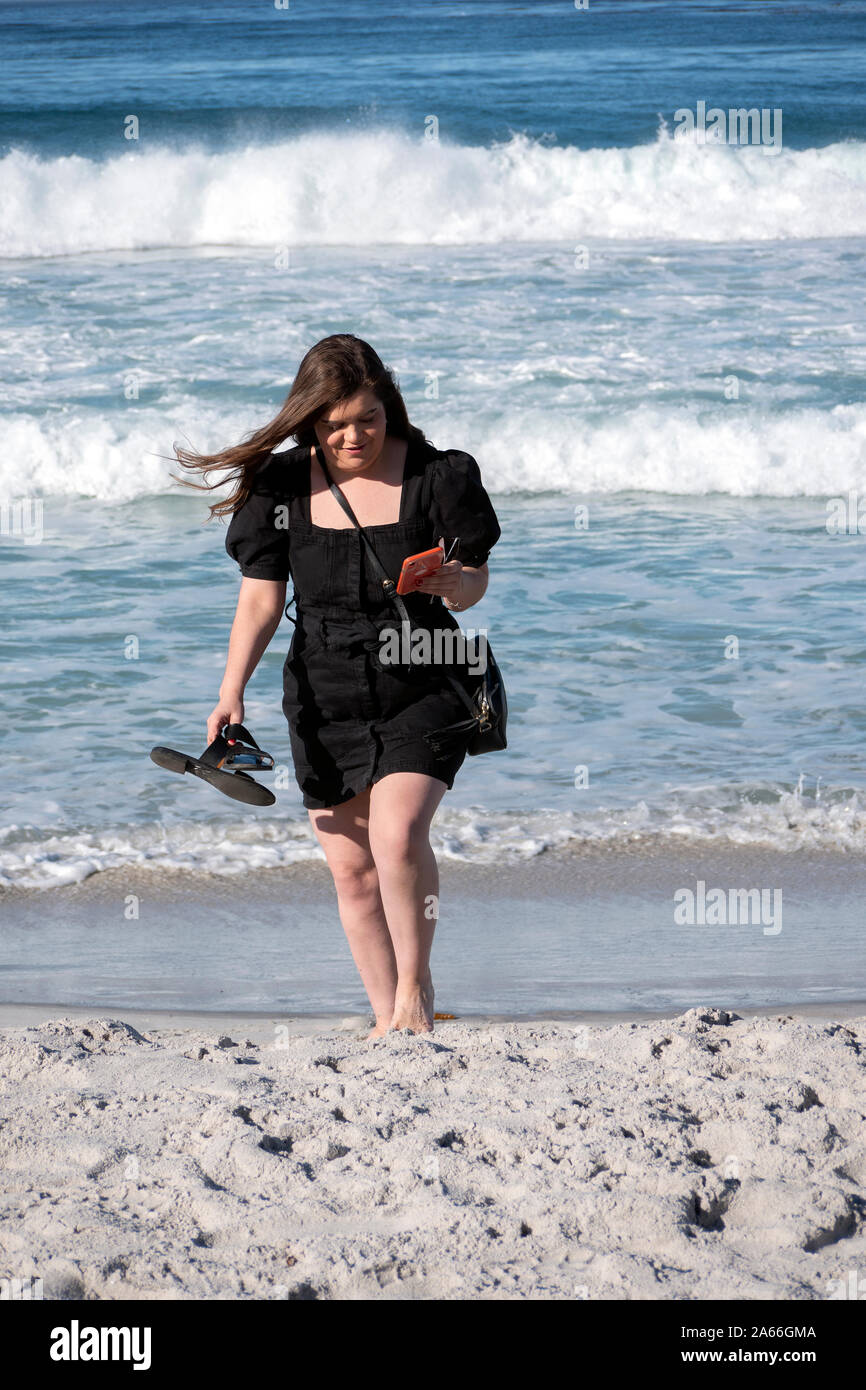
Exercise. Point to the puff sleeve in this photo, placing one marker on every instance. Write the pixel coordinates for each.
(461, 509)
(258, 536)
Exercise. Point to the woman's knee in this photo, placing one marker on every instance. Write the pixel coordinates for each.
(354, 877)
(400, 839)
(342, 832)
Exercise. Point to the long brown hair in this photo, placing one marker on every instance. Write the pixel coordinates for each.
(334, 369)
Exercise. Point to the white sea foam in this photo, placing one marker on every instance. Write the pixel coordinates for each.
(740, 451)
(475, 835)
(385, 187)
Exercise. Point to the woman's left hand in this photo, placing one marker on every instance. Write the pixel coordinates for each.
(447, 581)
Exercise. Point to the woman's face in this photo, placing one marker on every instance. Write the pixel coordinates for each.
(352, 432)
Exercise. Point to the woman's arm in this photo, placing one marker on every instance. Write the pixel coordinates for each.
(459, 585)
(259, 612)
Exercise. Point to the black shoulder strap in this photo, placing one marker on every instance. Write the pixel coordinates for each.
(388, 585)
(427, 486)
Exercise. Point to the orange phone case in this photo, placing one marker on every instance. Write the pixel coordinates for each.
(417, 567)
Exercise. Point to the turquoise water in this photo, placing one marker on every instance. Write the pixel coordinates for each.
(669, 336)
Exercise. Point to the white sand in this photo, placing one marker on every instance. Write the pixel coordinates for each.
(688, 1159)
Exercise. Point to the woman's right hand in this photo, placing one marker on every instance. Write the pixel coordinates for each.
(226, 712)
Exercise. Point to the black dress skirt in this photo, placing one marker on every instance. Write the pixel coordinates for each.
(352, 719)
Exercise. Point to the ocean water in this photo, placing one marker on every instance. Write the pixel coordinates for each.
(655, 348)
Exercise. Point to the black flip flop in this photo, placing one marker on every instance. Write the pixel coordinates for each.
(222, 763)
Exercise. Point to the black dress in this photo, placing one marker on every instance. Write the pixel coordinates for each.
(353, 720)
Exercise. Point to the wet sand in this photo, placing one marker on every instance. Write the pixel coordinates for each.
(595, 925)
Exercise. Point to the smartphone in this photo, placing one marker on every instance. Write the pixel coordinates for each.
(418, 567)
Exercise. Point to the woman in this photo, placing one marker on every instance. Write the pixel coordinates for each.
(370, 780)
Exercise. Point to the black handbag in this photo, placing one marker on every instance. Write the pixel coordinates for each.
(485, 699)
(488, 712)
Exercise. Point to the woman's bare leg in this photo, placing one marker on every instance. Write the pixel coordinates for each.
(402, 805)
(343, 833)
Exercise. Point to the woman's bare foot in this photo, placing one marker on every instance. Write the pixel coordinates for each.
(381, 1028)
(413, 1006)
